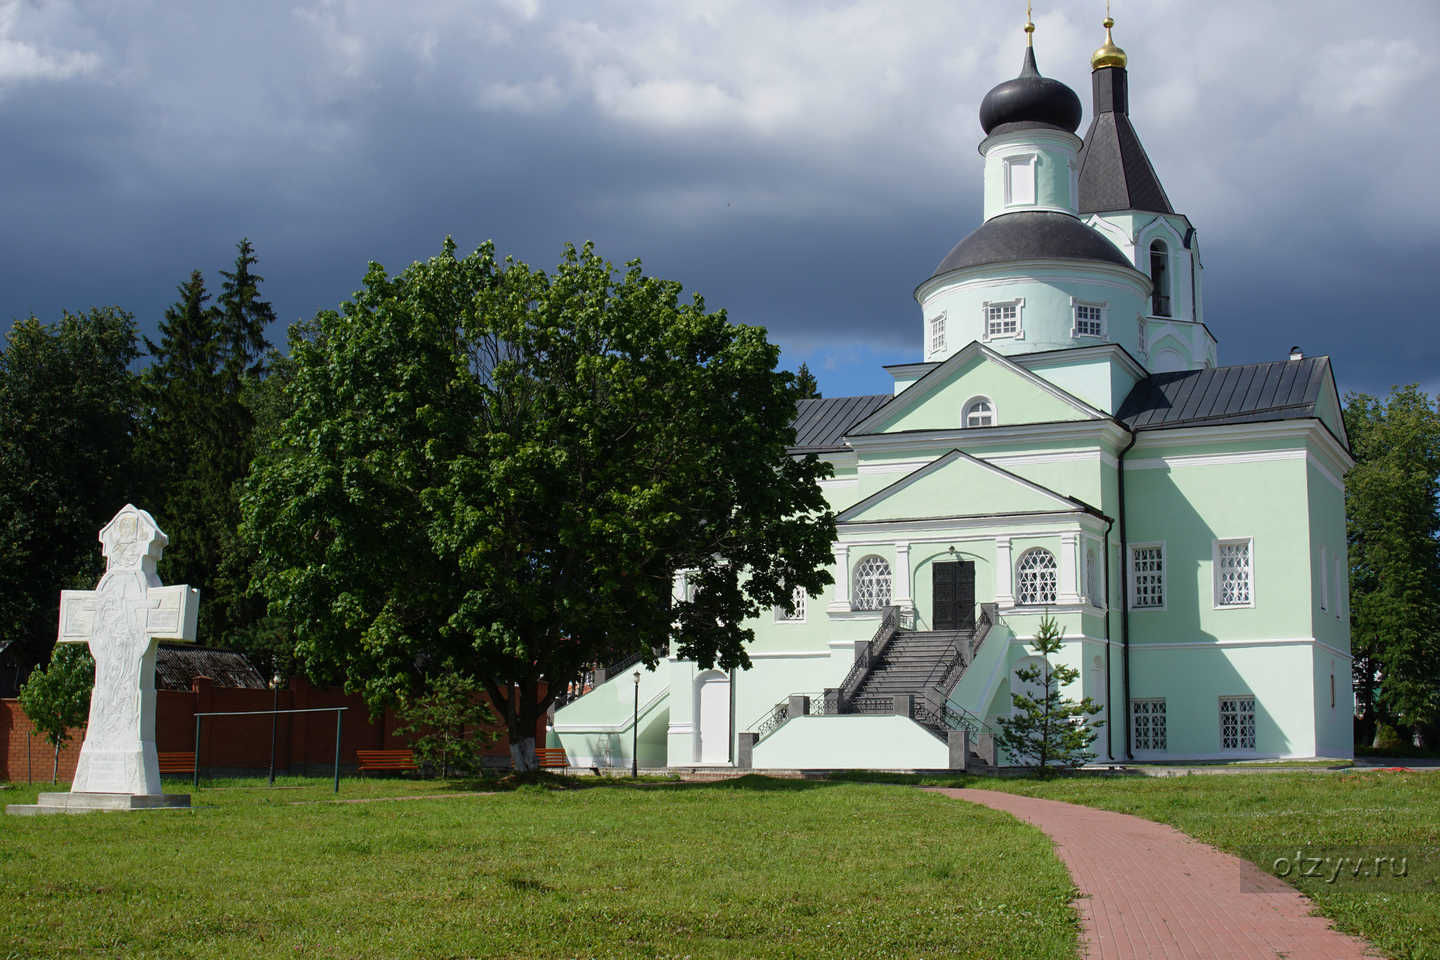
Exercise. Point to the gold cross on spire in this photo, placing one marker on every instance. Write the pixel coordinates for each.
(1029, 26)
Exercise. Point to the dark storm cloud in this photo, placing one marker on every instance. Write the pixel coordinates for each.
(802, 167)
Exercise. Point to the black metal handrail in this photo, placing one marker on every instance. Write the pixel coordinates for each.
(889, 625)
(772, 721)
(962, 651)
(622, 665)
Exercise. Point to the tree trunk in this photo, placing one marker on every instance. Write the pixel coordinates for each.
(55, 770)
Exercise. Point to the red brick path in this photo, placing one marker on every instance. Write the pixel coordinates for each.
(1150, 891)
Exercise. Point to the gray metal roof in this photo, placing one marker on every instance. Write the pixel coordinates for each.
(177, 664)
(1254, 392)
(1032, 235)
(819, 424)
(1115, 172)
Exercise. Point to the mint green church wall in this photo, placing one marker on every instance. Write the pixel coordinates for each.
(1016, 399)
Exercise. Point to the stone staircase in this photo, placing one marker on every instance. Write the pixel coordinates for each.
(908, 662)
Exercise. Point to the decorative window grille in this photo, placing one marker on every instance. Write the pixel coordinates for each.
(1237, 723)
(1089, 321)
(1036, 577)
(979, 413)
(937, 334)
(1002, 320)
(1148, 724)
(797, 603)
(1141, 324)
(1234, 585)
(872, 584)
(1147, 571)
(1092, 578)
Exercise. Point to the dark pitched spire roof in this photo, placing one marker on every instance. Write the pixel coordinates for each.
(1115, 173)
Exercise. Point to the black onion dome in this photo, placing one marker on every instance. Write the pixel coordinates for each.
(1030, 99)
(1032, 235)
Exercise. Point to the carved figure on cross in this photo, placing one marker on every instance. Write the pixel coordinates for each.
(122, 620)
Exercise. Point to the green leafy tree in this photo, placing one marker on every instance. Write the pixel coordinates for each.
(449, 724)
(505, 469)
(1394, 552)
(69, 409)
(201, 434)
(57, 699)
(806, 386)
(1049, 730)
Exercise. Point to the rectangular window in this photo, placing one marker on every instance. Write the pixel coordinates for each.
(1147, 575)
(1324, 581)
(937, 334)
(1089, 320)
(1237, 723)
(1019, 180)
(1234, 575)
(1148, 724)
(797, 600)
(1342, 587)
(1002, 320)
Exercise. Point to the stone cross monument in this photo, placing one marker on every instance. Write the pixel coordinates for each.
(122, 620)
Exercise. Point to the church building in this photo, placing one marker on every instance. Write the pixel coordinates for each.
(1066, 444)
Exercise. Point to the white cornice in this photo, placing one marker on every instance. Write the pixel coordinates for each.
(1004, 460)
(1060, 500)
(1307, 428)
(1034, 135)
(878, 532)
(1207, 644)
(1021, 434)
(1029, 271)
(1108, 351)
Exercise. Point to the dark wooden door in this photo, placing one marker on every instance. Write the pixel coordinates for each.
(953, 593)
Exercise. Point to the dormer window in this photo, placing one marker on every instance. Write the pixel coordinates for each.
(1020, 181)
(1160, 279)
(979, 412)
(1003, 319)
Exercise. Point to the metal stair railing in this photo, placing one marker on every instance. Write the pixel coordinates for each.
(947, 672)
(889, 626)
(775, 719)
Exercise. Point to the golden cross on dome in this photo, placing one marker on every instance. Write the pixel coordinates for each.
(1029, 26)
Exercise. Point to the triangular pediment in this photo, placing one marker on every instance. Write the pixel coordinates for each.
(958, 485)
(937, 401)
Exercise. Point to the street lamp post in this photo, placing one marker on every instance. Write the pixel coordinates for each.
(635, 732)
(274, 715)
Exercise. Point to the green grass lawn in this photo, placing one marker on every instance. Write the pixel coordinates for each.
(748, 868)
(1258, 815)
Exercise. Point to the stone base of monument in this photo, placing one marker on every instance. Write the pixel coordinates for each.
(91, 802)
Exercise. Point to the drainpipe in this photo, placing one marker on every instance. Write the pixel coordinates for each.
(1109, 734)
(1124, 588)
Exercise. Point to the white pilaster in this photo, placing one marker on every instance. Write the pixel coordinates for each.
(1004, 586)
(904, 594)
(1069, 569)
(841, 603)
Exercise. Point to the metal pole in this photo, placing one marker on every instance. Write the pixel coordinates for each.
(338, 715)
(197, 751)
(274, 718)
(635, 732)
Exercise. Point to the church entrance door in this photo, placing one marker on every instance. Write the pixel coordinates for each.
(714, 710)
(953, 595)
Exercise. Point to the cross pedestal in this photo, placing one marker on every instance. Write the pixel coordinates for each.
(122, 620)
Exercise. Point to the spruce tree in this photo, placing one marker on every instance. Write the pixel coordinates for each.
(201, 437)
(806, 386)
(1048, 729)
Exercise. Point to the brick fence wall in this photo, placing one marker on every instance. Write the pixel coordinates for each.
(304, 742)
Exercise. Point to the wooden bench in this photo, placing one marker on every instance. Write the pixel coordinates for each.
(551, 758)
(386, 760)
(176, 763)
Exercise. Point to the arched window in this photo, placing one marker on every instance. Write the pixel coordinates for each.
(1035, 576)
(979, 412)
(872, 584)
(1160, 279)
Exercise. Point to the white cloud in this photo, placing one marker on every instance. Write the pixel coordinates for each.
(26, 60)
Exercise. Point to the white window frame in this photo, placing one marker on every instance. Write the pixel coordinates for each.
(1324, 581)
(855, 598)
(1239, 700)
(1011, 163)
(1215, 546)
(1020, 582)
(937, 334)
(1150, 714)
(1102, 305)
(1164, 576)
(1018, 334)
(1342, 575)
(797, 598)
(969, 404)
